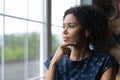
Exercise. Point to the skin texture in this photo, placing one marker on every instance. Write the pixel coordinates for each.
(115, 26)
(72, 35)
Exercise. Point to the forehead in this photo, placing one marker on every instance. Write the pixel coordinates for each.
(70, 18)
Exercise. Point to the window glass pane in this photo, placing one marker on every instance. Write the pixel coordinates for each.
(34, 30)
(16, 8)
(58, 8)
(35, 10)
(1, 41)
(15, 45)
(56, 37)
(1, 6)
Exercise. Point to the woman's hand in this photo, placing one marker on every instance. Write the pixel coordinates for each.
(61, 51)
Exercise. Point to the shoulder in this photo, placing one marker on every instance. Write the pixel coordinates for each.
(105, 60)
(102, 59)
(102, 55)
(47, 62)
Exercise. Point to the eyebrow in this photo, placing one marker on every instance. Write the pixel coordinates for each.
(70, 23)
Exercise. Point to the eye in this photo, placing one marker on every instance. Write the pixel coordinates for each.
(63, 26)
(72, 26)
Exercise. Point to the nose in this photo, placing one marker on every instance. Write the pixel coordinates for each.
(65, 30)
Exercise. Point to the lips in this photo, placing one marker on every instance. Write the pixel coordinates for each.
(65, 38)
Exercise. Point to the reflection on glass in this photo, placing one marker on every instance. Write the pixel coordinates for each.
(1, 6)
(56, 37)
(15, 36)
(1, 41)
(58, 8)
(35, 10)
(34, 30)
(16, 8)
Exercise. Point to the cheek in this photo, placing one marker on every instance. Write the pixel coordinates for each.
(78, 36)
(75, 36)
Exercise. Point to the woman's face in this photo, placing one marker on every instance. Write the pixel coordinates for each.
(72, 30)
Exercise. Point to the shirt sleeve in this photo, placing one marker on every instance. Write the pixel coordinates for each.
(47, 62)
(109, 62)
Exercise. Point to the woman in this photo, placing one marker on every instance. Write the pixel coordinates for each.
(86, 30)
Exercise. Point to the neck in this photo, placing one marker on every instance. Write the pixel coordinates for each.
(79, 53)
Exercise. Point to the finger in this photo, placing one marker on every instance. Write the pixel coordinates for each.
(69, 44)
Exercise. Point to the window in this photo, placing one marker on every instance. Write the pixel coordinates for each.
(36, 10)
(25, 29)
(58, 8)
(1, 43)
(16, 8)
(34, 49)
(1, 6)
(14, 48)
(21, 27)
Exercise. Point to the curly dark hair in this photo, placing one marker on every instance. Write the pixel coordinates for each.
(94, 20)
(110, 7)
